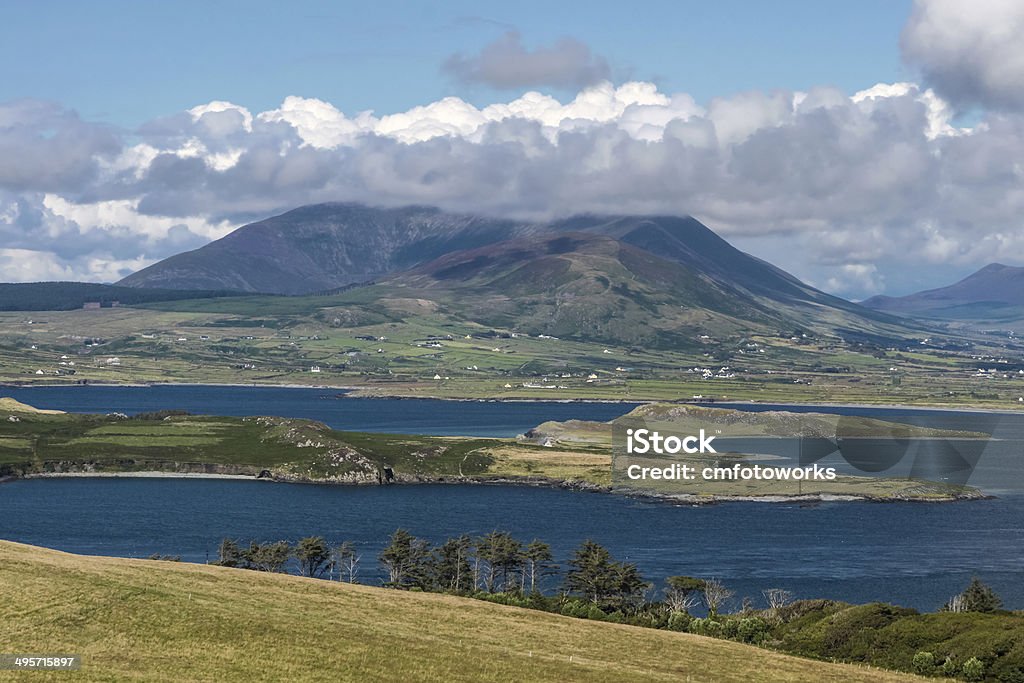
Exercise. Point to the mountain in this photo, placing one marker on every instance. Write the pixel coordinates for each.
(323, 247)
(329, 246)
(994, 293)
(657, 280)
(580, 285)
(592, 286)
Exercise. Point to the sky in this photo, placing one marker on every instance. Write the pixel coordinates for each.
(871, 147)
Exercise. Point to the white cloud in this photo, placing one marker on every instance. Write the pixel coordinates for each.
(972, 53)
(850, 179)
(25, 265)
(858, 279)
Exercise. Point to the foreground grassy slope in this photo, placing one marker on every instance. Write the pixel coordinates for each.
(146, 620)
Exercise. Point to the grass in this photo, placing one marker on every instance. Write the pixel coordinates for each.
(162, 621)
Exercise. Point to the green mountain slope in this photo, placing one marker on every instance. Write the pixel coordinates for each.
(588, 286)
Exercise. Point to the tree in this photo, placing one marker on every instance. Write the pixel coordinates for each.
(406, 561)
(539, 563)
(314, 556)
(630, 587)
(715, 594)
(681, 593)
(977, 597)
(451, 564)
(348, 560)
(503, 556)
(602, 580)
(229, 554)
(268, 557)
(776, 598)
(591, 573)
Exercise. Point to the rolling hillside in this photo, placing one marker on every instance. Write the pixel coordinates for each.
(165, 621)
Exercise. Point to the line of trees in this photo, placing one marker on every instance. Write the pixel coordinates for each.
(312, 556)
(496, 564)
(501, 568)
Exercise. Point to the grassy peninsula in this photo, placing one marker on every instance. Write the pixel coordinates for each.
(48, 443)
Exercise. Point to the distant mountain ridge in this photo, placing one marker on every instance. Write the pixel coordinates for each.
(995, 292)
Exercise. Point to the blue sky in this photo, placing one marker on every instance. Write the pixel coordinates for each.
(128, 62)
(869, 147)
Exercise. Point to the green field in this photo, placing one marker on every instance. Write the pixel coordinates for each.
(148, 620)
(382, 344)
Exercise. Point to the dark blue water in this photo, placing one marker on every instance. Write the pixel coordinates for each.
(403, 416)
(912, 554)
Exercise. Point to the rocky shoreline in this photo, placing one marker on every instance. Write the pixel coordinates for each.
(170, 470)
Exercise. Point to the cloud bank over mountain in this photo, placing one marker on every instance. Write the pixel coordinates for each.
(841, 183)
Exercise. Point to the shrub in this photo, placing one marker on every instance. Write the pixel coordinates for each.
(706, 627)
(679, 621)
(730, 628)
(924, 663)
(752, 630)
(576, 608)
(949, 667)
(973, 669)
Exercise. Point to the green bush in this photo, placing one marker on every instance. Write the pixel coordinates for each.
(594, 612)
(924, 663)
(949, 667)
(679, 621)
(576, 608)
(752, 630)
(731, 628)
(973, 669)
(706, 627)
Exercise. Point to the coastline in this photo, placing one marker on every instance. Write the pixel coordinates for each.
(537, 482)
(356, 393)
(149, 474)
